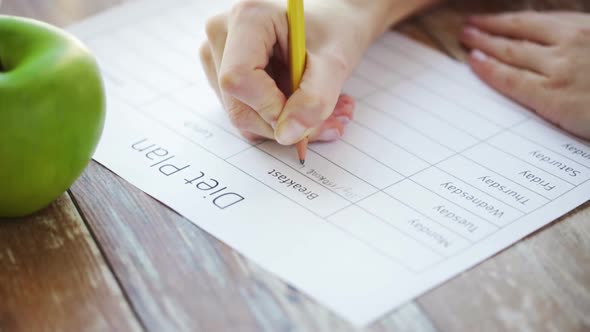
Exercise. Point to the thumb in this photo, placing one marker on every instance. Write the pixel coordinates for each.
(315, 99)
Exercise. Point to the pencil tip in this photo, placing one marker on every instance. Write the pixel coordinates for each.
(302, 161)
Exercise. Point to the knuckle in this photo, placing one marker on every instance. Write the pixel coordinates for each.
(551, 110)
(509, 51)
(337, 59)
(269, 110)
(252, 138)
(584, 32)
(486, 70)
(508, 82)
(232, 79)
(205, 53)
(238, 116)
(515, 20)
(214, 26)
(575, 37)
(314, 101)
(559, 66)
(580, 35)
(247, 7)
(500, 79)
(557, 82)
(561, 55)
(527, 14)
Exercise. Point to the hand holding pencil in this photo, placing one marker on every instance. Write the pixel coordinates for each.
(246, 59)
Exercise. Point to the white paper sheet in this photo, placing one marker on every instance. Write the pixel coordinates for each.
(436, 173)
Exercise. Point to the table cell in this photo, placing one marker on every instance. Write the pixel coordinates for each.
(447, 70)
(384, 238)
(134, 65)
(193, 17)
(376, 74)
(123, 86)
(289, 182)
(542, 157)
(486, 107)
(157, 52)
(358, 163)
(382, 150)
(492, 183)
(521, 172)
(427, 56)
(394, 61)
(192, 126)
(202, 100)
(422, 120)
(396, 132)
(556, 140)
(106, 21)
(462, 194)
(445, 108)
(322, 171)
(182, 42)
(413, 224)
(444, 70)
(358, 87)
(443, 211)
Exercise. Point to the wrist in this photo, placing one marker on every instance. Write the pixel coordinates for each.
(379, 15)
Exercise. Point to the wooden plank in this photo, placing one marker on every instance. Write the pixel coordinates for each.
(53, 276)
(37, 9)
(181, 278)
(540, 284)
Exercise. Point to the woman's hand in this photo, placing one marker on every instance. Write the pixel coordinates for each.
(541, 60)
(246, 61)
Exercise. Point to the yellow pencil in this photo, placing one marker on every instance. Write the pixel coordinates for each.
(297, 53)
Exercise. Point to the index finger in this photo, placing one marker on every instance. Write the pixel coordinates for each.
(249, 46)
(529, 25)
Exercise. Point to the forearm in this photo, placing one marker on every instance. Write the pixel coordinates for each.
(370, 17)
(384, 13)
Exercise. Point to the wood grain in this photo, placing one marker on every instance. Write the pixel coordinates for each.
(540, 284)
(53, 277)
(181, 278)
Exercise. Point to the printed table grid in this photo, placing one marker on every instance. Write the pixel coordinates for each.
(163, 80)
(366, 242)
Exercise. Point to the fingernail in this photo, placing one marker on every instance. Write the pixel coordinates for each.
(290, 132)
(347, 100)
(329, 135)
(479, 55)
(273, 124)
(343, 119)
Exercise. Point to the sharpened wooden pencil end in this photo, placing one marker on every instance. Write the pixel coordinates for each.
(302, 150)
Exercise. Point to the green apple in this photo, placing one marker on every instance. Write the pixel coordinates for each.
(52, 109)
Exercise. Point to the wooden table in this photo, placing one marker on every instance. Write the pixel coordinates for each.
(106, 256)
